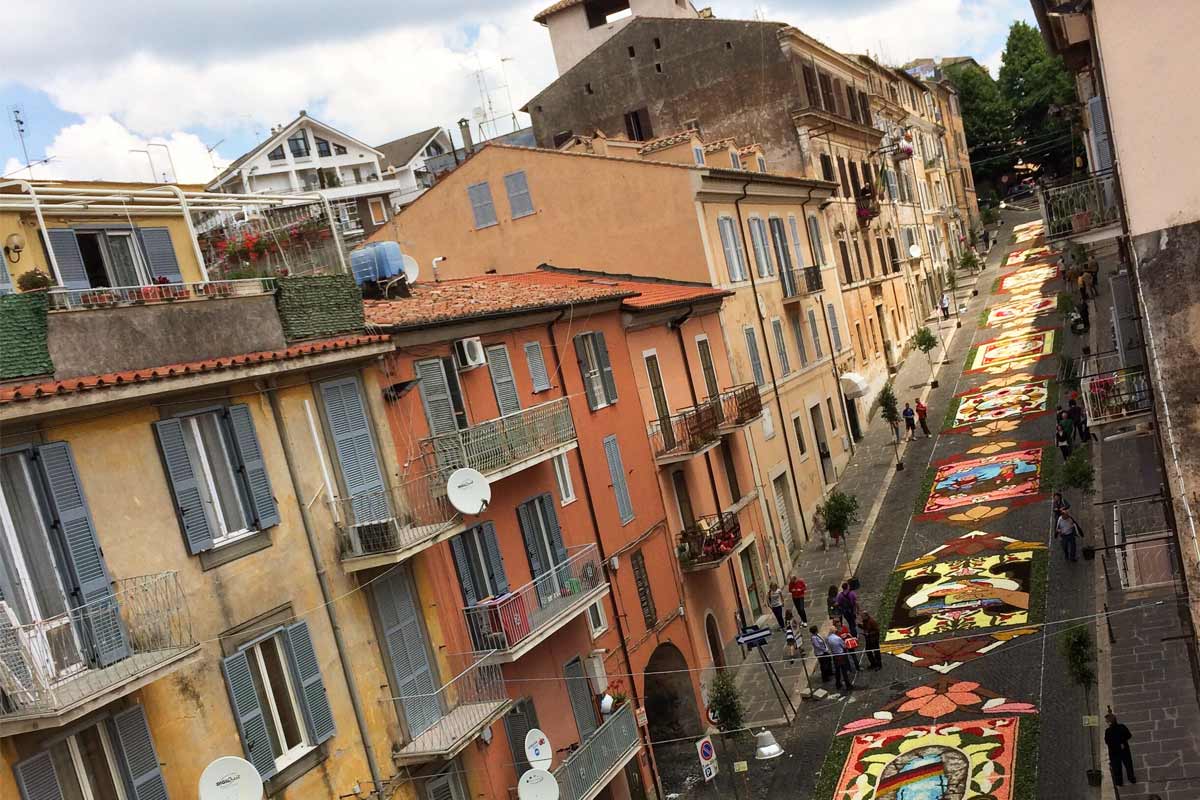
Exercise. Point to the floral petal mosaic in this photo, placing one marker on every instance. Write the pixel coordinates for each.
(1010, 349)
(994, 404)
(1004, 476)
(944, 655)
(1029, 277)
(1021, 309)
(938, 699)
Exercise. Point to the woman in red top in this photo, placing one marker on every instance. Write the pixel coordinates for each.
(797, 588)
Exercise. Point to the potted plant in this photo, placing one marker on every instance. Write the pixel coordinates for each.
(925, 341)
(1080, 654)
(34, 280)
(889, 410)
(725, 702)
(840, 511)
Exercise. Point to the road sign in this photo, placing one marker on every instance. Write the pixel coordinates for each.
(708, 758)
(754, 636)
(740, 766)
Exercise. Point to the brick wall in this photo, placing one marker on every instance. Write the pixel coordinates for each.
(319, 305)
(23, 340)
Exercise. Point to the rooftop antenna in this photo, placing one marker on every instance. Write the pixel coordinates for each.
(512, 111)
(210, 148)
(19, 128)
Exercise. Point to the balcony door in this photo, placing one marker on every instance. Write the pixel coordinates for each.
(659, 394)
(545, 548)
(406, 652)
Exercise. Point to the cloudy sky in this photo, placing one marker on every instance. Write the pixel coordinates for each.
(208, 78)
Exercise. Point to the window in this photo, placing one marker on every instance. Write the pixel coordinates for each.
(810, 86)
(298, 144)
(827, 168)
(799, 248)
(834, 331)
(847, 267)
(735, 160)
(752, 350)
(832, 416)
(657, 43)
(536, 362)
(276, 154)
(883, 259)
(815, 330)
(846, 190)
(587, 88)
(814, 241)
(855, 180)
(783, 507)
(785, 363)
(698, 155)
(638, 563)
(112, 258)
(762, 164)
(731, 243)
(779, 243)
(870, 255)
(637, 125)
(378, 210)
(692, 125)
(658, 67)
(616, 473)
(683, 499)
(479, 565)
(862, 346)
(762, 254)
(323, 148)
(852, 103)
(798, 334)
(827, 98)
(520, 204)
(768, 423)
(520, 719)
(434, 149)
(731, 476)
(597, 621)
(480, 195)
(706, 366)
(562, 476)
(348, 216)
(441, 395)
(798, 427)
(865, 107)
(595, 369)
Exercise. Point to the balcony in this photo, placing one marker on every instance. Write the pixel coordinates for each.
(686, 434)
(55, 670)
(506, 445)
(588, 770)
(116, 296)
(1081, 208)
(739, 406)
(390, 525)
(515, 623)
(455, 714)
(801, 282)
(709, 542)
(1112, 391)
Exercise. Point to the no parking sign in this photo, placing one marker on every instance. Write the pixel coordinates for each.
(708, 758)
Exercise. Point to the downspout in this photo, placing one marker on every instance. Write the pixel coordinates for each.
(752, 267)
(618, 618)
(27, 187)
(326, 595)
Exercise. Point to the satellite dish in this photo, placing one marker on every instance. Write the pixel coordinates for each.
(537, 784)
(538, 749)
(468, 491)
(230, 778)
(914, 251)
(412, 270)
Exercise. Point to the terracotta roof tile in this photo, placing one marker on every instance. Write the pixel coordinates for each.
(555, 8)
(663, 142)
(87, 383)
(719, 144)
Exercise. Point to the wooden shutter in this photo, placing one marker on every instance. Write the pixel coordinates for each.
(616, 473)
(643, 118)
(785, 363)
(755, 362)
(462, 564)
(815, 243)
(101, 624)
(779, 240)
(136, 747)
(526, 516)
(733, 253)
(480, 195)
(847, 267)
(70, 260)
(810, 86)
(645, 598)
(36, 778)
(827, 168)
(852, 104)
(706, 366)
(310, 689)
(579, 692)
(855, 180)
(495, 563)
(606, 373)
(254, 468)
(585, 369)
(538, 375)
(865, 107)
(160, 253)
(816, 332)
(435, 396)
(797, 247)
(503, 382)
(252, 725)
(835, 332)
(350, 428)
(781, 508)
(185, 486)
(656, 388)
(404, 638)
(520, 204)
(762, 256)
(1102, 138)
(683, 499)
(552, 527)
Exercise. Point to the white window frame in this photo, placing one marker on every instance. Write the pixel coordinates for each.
(597, 628)
(735, 160)
(594, 373)
(562, 476)
(81, 771)
(271, 712)
(221, 537)
(372, 202)
(140, 269)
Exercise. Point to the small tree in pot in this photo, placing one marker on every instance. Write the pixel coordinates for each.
(840, 511)
(1080, 654)
(925, 341)
(889, 410)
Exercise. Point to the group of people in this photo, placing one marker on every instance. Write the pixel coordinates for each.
(1071, 426)
(838, 649)
(912, 414)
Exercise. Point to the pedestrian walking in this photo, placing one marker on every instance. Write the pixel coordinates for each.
(1089, 285)
(1083, 292)
(922, 413)
(1068, 425)
(945, 306)
(910, 422)
(870, 628)
(1062, 441)
(797, 589)
(843, 673)
(1116, 739)
(832, 601)
(775, 601)
(789, 632)
(847, 603)
(819, 528)
(1078, 417)
(1068, 530)
(1085, 316)
(1059, 505)
(821, 652)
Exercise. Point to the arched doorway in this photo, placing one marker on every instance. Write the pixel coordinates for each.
(670, 702)
(715, 648)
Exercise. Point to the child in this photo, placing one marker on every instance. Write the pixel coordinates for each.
(789, 630)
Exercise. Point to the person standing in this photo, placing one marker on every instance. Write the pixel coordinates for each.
(1120, 757)
(821, 653)
(831, 600)
(922, 413)
(847, 603)
(945, 306)
(842, 672)
(910, 422)
(775, 600)
(789, 632)
(1068, 426)
(1068, 530)
(1078, 419)
(797, 589)
(1062, 441)
(870, 629)
(1059, 505)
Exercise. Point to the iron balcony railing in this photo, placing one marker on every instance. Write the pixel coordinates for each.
(1081, 206)
(740, 405)
(585, 772)
(443, 721)
(812, 279)
(792, 281)
(393, 519)
(1112, 391)
(111, 296)
(50, 666)
(686, 433)
(503, 623)
(505, 442)
(709, 541)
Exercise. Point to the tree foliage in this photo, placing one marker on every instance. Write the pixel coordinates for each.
(1041, 95)
(725, 702)
(987, 121)
(840, 511)
(888, 405)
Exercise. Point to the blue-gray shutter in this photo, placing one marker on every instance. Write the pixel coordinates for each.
(357, 458)
(815, 243)
(1101, 135)
(254, 468)
(36, 778)
(462, 564)
(519, 201)
(816, 332)
(529, 532)
(589, 388)
(606, 373)
(185, 486)
(100, 623)
(136, 747)
(160, 253)
(5, 279)
(579, 692)
(480, 195)
(503, 381)
(435, 396)
(798, 333)
(833, 327)
(520, 719)
(537, 366)
(785, 362)
(252, 725)
(412, 676)
(68, 257)
(310, 686)
(756, 366)
(762, 253)
(616, 473)
(491, 546)
(797, 247)
(555, 531)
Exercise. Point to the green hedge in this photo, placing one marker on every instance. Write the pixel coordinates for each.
(319, 305)
(24, 349)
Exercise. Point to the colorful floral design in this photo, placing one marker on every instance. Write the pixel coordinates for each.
(972, 544)
(992, 447)
(1009, 380)
(976, 514)
(1030, 277)
(945, 655)
(1022, 308)
(1004, 476)
(939, 699)
(1017, 257)
(994, 404)
(1008, 349)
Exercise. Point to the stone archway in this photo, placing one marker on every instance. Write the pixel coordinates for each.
(715, 647)
(670, 701)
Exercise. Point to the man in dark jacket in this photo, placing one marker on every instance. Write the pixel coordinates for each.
(1116, 739)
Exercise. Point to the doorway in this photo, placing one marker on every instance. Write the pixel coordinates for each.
(670, 701)
(822, 444)
(750, 578)
(715, 648)
(852, 418)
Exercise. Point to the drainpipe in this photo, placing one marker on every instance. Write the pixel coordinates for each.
(783, 419)
(326, 595)
(618, 619)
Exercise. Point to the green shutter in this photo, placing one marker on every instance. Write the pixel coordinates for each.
(160, 253)
(136, 747)
(756, 366)
(70, 261)
(36, 778)
(254, 468)
(252, 725)
(526, 515)
(517, 723)
(503, 382)
(606, 373)
(185, 486)
(616, 472)
(538, 375)
(310, 689)
(579, 692)
(412, 676)
(346, 415)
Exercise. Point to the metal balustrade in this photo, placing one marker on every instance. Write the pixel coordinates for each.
(682, 435)
(50, 666)
(740, 405)
(1112, 391)
(505, 623)
(506, 443)
(593, 765)
(456, 713)
(1080, 206)
(793, 283)
(400, 519)
(709, 541)
(812, 279)
(113, 296)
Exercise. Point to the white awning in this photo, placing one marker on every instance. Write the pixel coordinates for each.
(854, 385)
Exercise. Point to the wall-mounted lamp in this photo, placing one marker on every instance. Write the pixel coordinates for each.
(14, 245)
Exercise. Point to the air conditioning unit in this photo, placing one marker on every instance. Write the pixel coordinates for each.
(468, 353)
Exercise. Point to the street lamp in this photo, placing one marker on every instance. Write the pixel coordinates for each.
(765, 746)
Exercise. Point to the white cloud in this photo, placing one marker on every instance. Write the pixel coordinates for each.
(98, 149)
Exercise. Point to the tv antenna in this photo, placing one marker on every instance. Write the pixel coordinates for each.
(18, 124)
(210, 148)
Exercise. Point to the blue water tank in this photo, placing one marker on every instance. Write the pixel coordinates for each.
(376, 261)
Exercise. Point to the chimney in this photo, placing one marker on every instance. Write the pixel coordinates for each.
(464, 129)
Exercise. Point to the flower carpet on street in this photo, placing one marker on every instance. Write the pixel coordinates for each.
(1030, 277)
(939, 699)
(1023, 307)
(1004, 476)
(1004, 351)
(993, 404)
(944, 655)
(1028, 254)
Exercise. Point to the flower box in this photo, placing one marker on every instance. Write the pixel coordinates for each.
(216, 289)
(98, 299)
